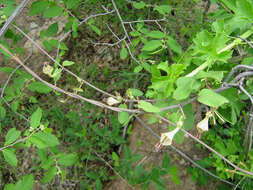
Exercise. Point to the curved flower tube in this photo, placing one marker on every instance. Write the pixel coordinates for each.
(167, 138)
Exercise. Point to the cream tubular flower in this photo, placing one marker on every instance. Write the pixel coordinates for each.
(202, 126)
(167, 138)
(111, 101)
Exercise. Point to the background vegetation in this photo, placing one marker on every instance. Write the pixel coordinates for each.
(172, 60)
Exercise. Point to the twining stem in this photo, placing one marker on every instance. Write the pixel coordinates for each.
(228, 47)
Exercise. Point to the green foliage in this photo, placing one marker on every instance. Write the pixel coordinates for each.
(187, 56)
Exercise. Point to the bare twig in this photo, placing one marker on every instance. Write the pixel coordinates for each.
(76, 96)
(113, 169)
(138, 21)
(13, 16)
(121, 21)
(208, 147)
(183, 154)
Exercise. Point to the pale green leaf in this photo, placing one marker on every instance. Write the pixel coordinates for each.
(185, 85)
(174, 174)
(139, 5)
(217, 75)
(52, 11)
(38, 7)
(123, 53)
(67, 159)
(43, 140)
(35, 118)
(115, 157)
(10, 157)
(25, 183)
(2, 112)
(135, 92)
(67, 63)
(138, 69)
(163, 9)
(135, 33)
(14, 105)
(156, 34)
(39, 87)
(49, 175)
(52, 30)
(148, 107)
(9, 186)
(96, 29)
(152, 45)
(12, 136)
(174, 46)
(123, 117)
(210, 98)
(71, 3)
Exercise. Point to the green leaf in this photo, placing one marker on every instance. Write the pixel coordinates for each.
(210, 98)
(49, 175)
(135, 33)
(156, 34)
(229, 4)
(43, 140)
(152, 45)
(67, 63)
(35, 118)
(245, 8)
(179, 137)
(98, 184)
(12, 136)
(189, 114)
(9, 186)
(8, 10)
(75, 28)
(38, 7)
(71, 3)
(8, 2)
(135, 92)
(52, 11)
(52, 30)
(174, 46)
(139, 5)
(39, 87)
(25, 183)
(10, 157)
(138, 69)
(123, 53)
(2, 112)
(163, 9)
(217, 75)
(48, 162)
(123, 117)
(173, 174)
(115, 157)
(96, 29)
(67, 159)
(9, 70)
(185, 85)
(47, 45)
(148, 107)
(166, 161)
(14, 105)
